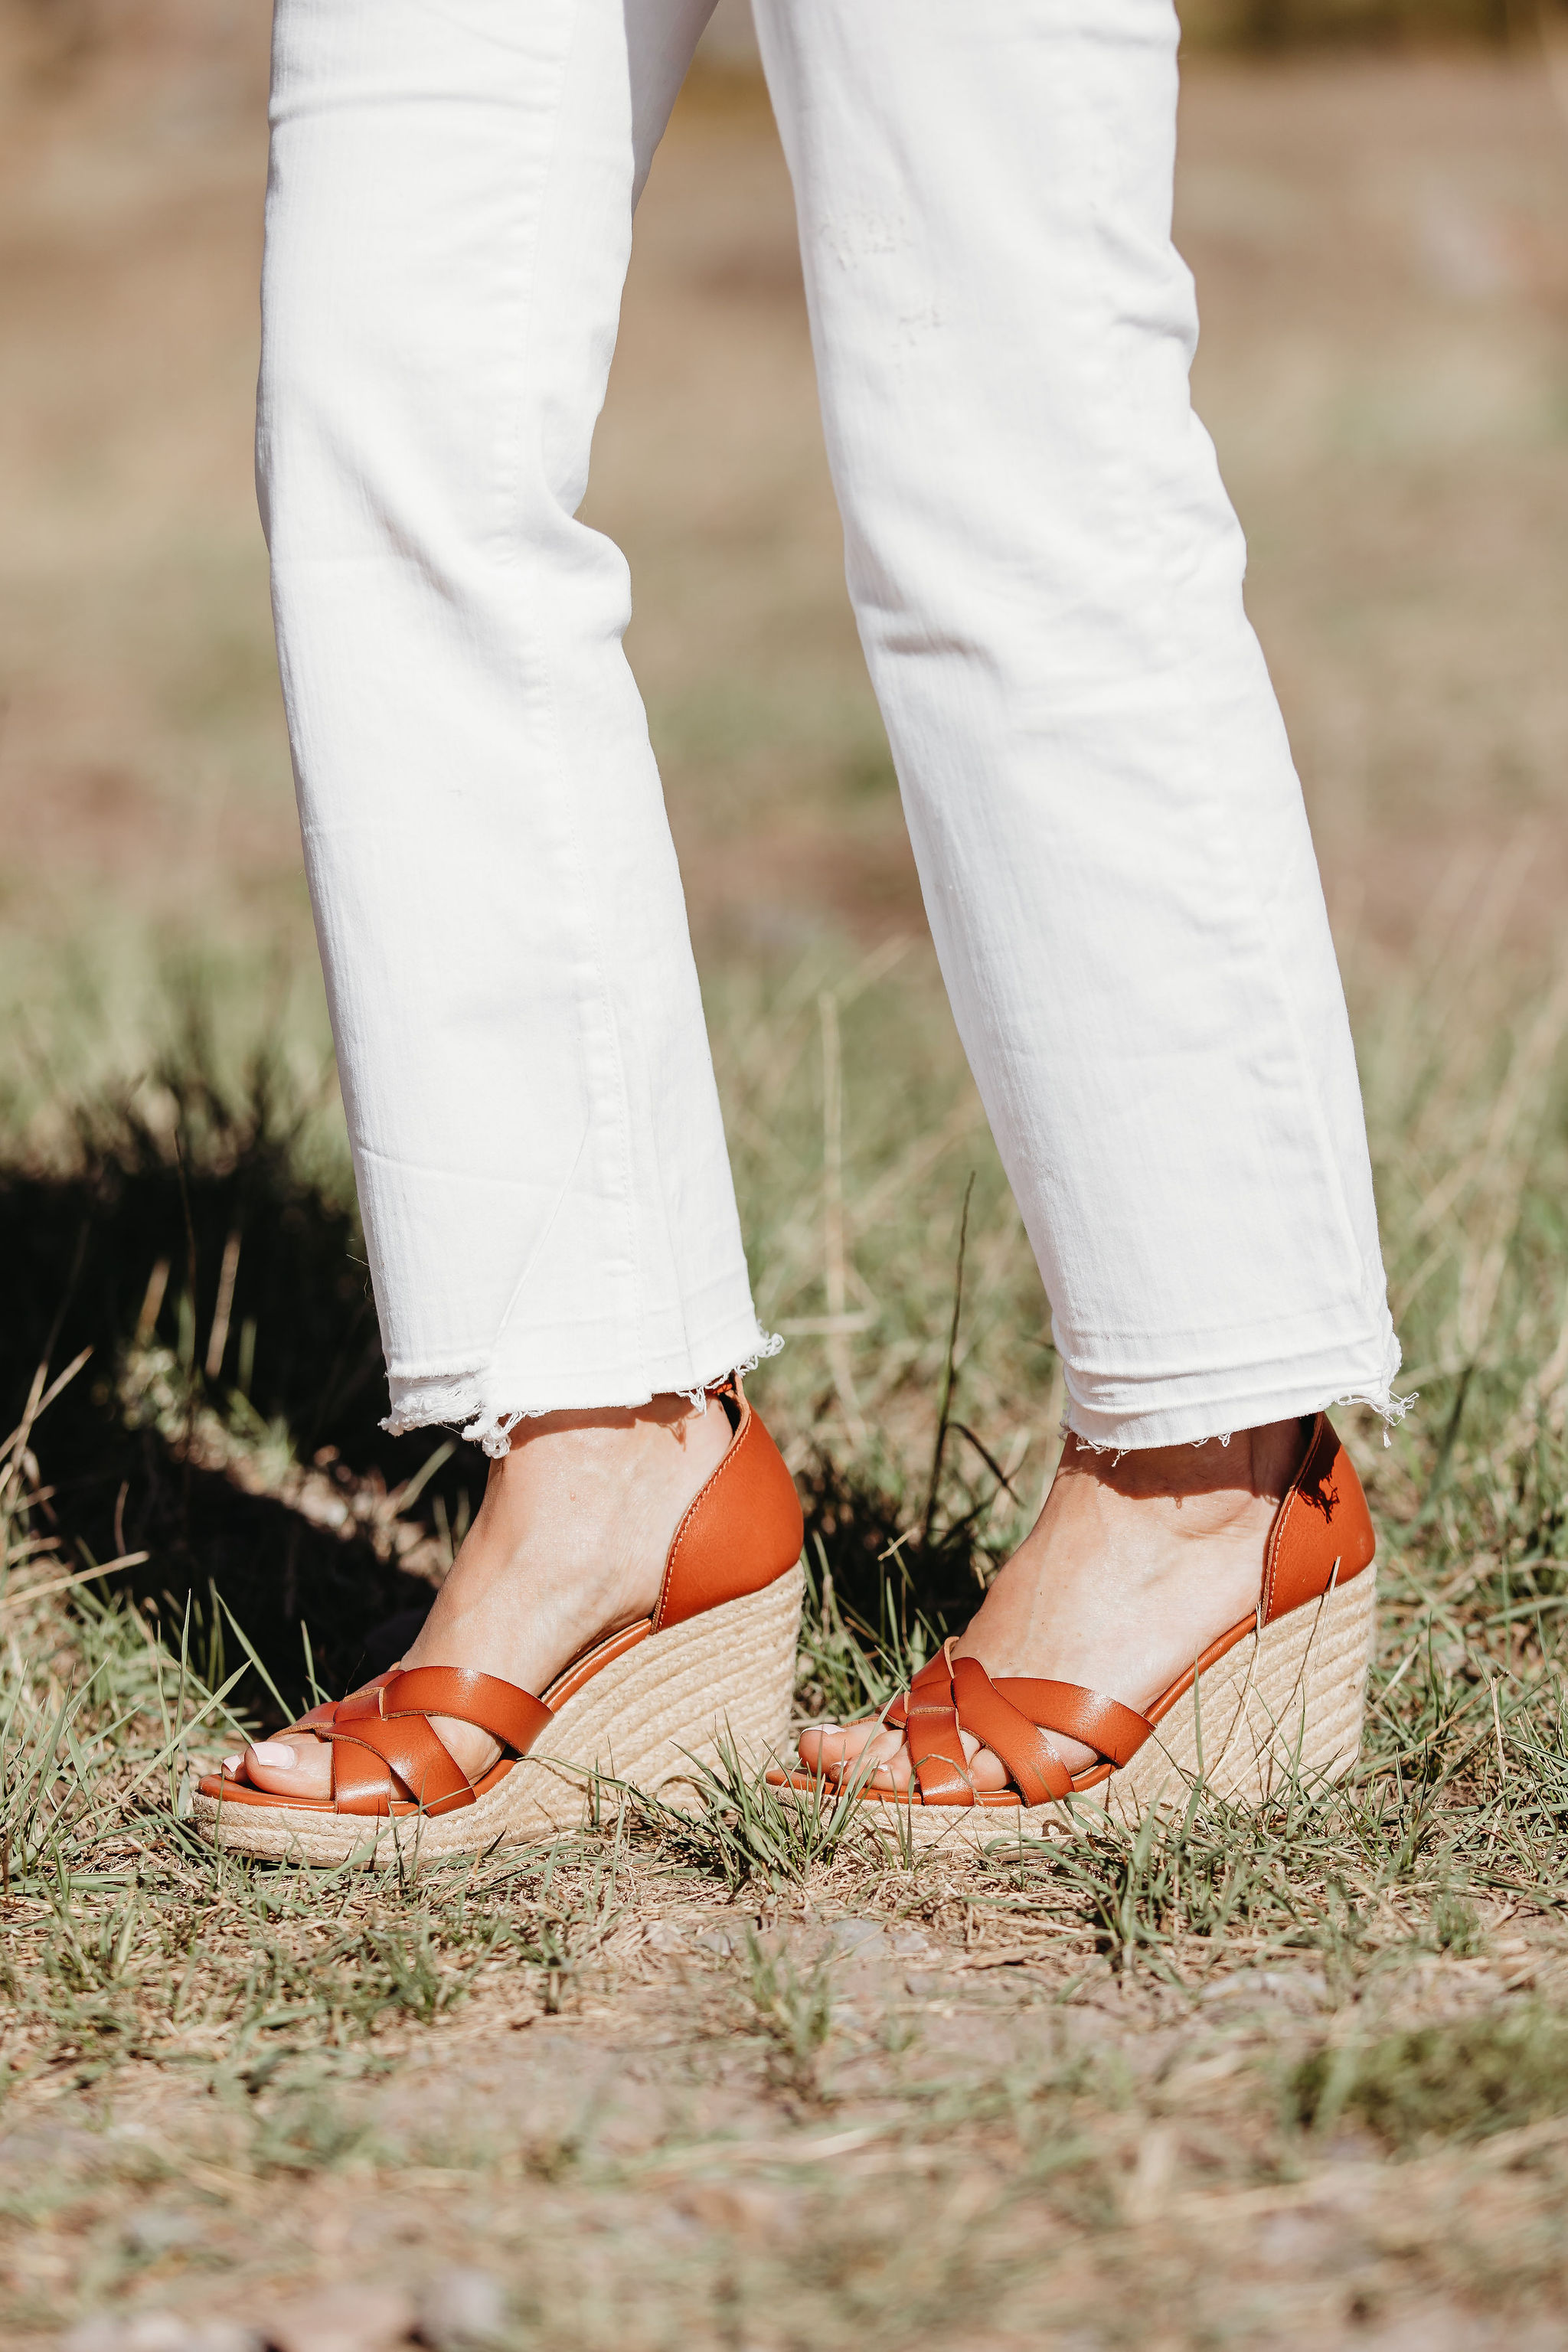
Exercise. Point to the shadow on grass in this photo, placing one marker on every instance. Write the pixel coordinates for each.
(181, 1242)
(220, 1289)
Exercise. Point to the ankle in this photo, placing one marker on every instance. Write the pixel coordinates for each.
(1228, 1474)
(570, 1540)
(589, 1461)
(609, 1428)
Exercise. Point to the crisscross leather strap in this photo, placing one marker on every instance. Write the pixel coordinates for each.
(327, 1710)
(1321, 1537)
(385, 1750)
(1014, 1719)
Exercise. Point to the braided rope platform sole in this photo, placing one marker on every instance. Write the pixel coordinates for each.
(726, 1677)
(1283, 1706)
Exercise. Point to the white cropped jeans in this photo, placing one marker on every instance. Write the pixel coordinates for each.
(1047, 575)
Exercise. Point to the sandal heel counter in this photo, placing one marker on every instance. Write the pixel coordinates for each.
(1323, 1534)
(743, 1531)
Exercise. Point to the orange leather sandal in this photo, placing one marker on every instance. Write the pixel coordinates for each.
(1281, 1693)
(715, 1662)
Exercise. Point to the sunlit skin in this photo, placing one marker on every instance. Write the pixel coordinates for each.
(568, 1543)
(1134, 1565)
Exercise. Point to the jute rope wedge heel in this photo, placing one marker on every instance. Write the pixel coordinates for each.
(714, 1664)
(1281, 1694)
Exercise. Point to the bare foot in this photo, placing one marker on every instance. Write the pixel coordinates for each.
(568, 1544)
(1134, 1566)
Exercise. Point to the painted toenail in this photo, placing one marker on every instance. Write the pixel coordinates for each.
(231, 1763)
(276, 1754)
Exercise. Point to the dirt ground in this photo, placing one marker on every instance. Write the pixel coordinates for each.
(910, 2106)
(918, 2107)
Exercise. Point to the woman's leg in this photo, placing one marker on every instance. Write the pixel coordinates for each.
(1115, 858)
(536, 1133)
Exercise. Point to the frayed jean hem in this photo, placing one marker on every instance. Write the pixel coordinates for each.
(1195, 1422)
(467, 1401)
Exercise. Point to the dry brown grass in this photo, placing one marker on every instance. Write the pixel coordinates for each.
(1290, 2075)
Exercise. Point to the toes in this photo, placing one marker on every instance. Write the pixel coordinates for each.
(869, 1756)
(889, 1753)
(298, 1765)
(823, 1740)
(987, 1772)
(828, 1746)
(864, 1754)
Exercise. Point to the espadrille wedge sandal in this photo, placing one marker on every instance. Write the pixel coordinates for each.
(714, 1663)
(1281, 1693)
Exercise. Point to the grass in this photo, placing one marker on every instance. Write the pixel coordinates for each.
(794, 2010)
(1079, 2015)
(1434, 2083)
